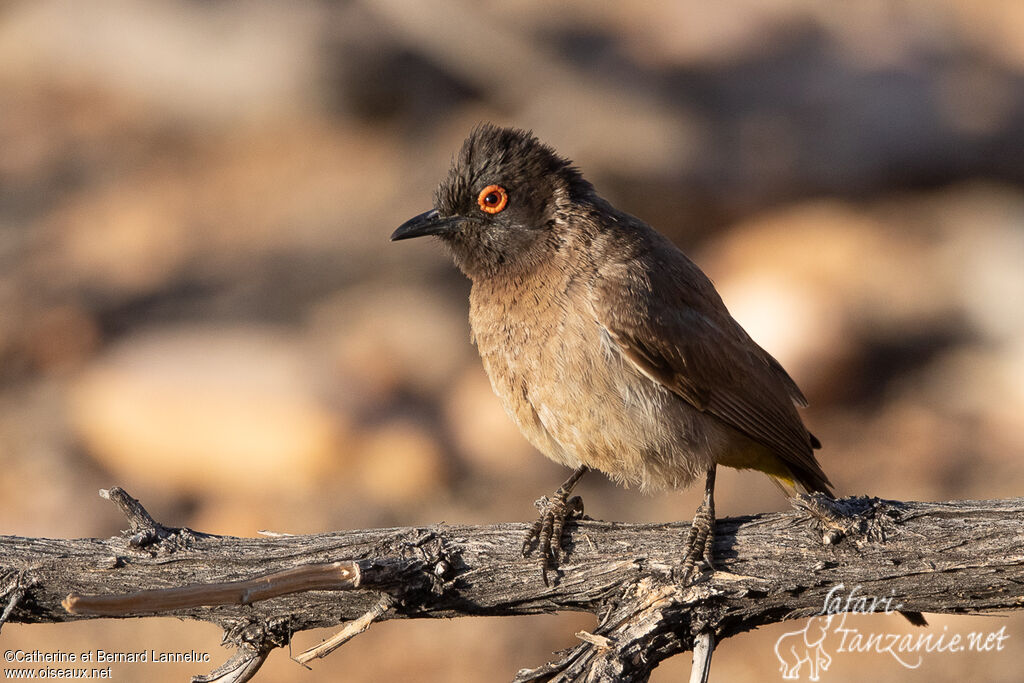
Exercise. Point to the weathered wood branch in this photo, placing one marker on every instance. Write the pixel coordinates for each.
(955, 557)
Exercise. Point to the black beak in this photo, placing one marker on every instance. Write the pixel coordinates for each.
(429, 223)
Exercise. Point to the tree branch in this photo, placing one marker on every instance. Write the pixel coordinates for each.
(955, 557)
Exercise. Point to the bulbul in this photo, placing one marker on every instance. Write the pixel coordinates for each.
(607, 346)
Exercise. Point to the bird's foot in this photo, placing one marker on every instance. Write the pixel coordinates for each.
(700, 540)
(701, 537)
(547, 531)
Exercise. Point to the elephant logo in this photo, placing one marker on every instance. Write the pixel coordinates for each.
(806, 646)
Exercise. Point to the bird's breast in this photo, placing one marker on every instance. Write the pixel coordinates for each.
(562, 380)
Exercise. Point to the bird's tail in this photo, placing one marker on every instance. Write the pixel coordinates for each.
(801, 476)
(793, 481)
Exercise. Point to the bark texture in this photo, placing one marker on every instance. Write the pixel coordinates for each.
(953, 557)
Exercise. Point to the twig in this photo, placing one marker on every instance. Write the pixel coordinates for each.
(137, 516)
(703, 646)
(350, 631)
(14, 591)
(241, 667)
(333, 576)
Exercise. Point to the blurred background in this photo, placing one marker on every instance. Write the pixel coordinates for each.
(198, 300)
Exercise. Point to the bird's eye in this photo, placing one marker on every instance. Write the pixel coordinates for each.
(492, 198)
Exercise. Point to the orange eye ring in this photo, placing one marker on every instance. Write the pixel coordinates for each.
(492, 199)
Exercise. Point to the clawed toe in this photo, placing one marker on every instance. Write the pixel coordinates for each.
(699, 544)
(548, 529)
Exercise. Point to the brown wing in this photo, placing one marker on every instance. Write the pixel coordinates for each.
(667, 319)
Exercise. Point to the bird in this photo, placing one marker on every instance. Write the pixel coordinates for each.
(609, 348)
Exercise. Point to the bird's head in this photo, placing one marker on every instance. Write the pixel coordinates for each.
(502, 203)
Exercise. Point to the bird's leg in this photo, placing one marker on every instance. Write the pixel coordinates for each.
(700, 539)
(547, 530)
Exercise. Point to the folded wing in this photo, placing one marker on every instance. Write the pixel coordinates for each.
(675, 329)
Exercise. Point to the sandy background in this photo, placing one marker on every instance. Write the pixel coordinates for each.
(198, 300)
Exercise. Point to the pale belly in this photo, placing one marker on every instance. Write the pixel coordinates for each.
(580, 403)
